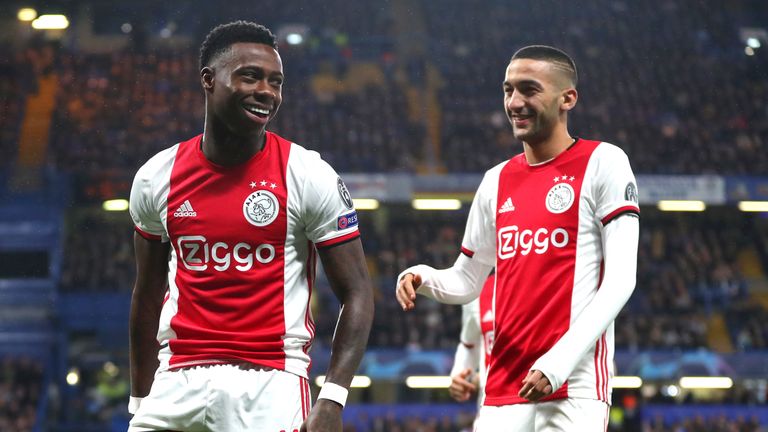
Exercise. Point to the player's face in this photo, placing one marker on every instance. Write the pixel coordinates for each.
(247, 87)
(533, 95)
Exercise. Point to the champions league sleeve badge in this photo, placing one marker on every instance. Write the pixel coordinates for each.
(261, 208)
(344, 192)
(630, 192)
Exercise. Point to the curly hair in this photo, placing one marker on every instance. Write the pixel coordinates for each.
(555, 56)
(223, 36)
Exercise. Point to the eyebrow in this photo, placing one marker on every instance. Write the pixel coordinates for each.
(529, 82)
(258, 68)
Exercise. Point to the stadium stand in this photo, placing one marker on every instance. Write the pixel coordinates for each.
(407, 88)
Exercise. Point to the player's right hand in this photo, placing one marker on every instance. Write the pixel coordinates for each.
(461, 388)
(406, 291)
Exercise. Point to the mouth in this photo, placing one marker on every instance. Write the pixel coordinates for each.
(521, 120)
(257, 112)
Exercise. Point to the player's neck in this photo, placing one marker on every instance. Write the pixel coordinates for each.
(546, 150)
(223, 148)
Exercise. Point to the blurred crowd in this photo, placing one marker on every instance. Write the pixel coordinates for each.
(683, 98)
(369, 105)
(419, 90)
(21, 381)
(688, 272)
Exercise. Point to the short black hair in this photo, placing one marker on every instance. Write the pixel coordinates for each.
(555, 56)
(223, 36)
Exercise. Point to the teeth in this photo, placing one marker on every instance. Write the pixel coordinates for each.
(256, 110)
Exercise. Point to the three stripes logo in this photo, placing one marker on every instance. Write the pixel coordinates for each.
(507, 206)
(185, 210)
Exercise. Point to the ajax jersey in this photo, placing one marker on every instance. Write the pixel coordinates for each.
(243, 250)
(540, 226)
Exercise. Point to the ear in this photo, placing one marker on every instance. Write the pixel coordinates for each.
(570, 97)
(206, 78)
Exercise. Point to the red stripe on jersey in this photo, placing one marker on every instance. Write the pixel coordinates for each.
(486, 307)
(303, 390)
(147, 235)
(308, 322)
(618, 212)
(603, 372)
(467, 252)
(598, 386)
(535, 266)
(341, 239)
(230, 270)
(606, 373)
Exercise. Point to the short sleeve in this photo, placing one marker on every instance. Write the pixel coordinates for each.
(479, 241)
(615, 187)
(143, 209)
(330, 216)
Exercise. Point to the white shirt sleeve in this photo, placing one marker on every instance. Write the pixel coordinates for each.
(620, 240)
(463, 282)
(471, 340)
(615, 187)
(458, 284)
(327, 209)
(143, 205)
(479, 242)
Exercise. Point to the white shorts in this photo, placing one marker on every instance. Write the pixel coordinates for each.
(566, 415)
(224, 397)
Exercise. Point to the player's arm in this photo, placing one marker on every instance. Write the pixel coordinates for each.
(462, 282)
(467, 358)
(345, 266)
(146, 304)
(458, 284)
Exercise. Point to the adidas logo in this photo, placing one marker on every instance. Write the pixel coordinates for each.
(507, 206)
(185, 210)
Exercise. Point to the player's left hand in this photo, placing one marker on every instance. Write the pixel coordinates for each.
(325, 416)
(535, 386)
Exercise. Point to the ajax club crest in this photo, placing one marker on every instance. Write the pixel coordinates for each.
(560, 198)
(261, 208)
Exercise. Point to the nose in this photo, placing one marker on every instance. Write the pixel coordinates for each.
(514, 101)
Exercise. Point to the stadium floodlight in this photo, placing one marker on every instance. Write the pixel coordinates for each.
(753, 42)
(115, 205)
(436, 204)
(358, 381)
(753, 206)
(294, 39)
(26, 14)
(682, 205)
(437, 381)
(50, 22)
(706, 382)
(366, 203)
(73, 377)
(627, 382)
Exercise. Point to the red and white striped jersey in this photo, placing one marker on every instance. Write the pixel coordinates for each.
(243, 257)
(540, 226)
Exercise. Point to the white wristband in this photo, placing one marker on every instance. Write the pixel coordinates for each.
(133, 404)
(333, 392)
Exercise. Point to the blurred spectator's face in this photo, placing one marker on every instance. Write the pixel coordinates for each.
(533, 99)
(245, 87)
